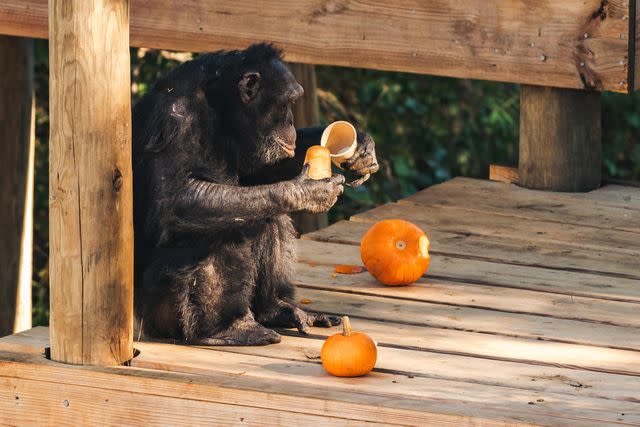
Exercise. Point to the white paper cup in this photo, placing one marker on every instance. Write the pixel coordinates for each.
(341, 139)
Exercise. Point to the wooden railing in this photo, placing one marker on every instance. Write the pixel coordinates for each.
(568, 43)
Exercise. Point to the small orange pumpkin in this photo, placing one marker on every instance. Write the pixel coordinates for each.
(395, 252)
(349, 354)
(319, 160)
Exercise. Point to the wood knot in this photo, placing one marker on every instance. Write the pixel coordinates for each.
(601, 12)
(116, 180)
(330, 7)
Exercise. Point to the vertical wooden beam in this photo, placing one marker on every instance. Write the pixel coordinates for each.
(17, 141)
(307, 113)
(90, 182)
(560, 139)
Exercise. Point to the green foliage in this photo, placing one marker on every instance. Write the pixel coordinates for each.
(41, 187)
(620, 133)
(427, 130)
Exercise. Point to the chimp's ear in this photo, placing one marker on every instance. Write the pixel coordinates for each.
(249, 86)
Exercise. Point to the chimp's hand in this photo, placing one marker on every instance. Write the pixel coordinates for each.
(317, 196)
(364, 161)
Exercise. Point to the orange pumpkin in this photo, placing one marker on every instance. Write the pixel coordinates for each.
(395, 252)
(349, 354)
(319, 160)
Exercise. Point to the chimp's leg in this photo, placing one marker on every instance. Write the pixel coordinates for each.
(274, 303)
(204, 301)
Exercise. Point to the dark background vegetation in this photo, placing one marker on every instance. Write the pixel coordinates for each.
(427, 130)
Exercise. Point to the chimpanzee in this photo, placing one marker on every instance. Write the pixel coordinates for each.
(217, 171)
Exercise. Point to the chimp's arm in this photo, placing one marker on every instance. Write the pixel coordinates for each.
(206, 201)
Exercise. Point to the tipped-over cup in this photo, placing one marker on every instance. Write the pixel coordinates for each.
(341, 139)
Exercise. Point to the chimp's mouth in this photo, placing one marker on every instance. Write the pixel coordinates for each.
(289, 149)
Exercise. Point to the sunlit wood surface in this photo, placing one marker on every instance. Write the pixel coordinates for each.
(528, 315)
(582, 44)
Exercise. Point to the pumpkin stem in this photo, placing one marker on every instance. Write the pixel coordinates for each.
(346, 326)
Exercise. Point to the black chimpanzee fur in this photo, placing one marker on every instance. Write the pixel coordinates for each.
(216, 172)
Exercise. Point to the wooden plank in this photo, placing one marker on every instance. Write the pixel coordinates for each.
(90, 185)
(499, 199)
(288, 394)
(502, 173)
(626, 196)
(446, 291)
(541, 43)
(476, 320)
(454, 220)
(490, 273)
(17, 145)
(35, 402)
(251, 394)
(286, 367)
(560, 138)
(449, 367)
(542, 366)
(387, 380)
(501, 250)
(530, 356)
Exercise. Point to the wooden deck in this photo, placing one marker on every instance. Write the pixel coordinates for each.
(529, 315)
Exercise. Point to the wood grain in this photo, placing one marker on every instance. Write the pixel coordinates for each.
(541, 43)
(446, 354)
(454, 220)
(102, 407)
(458, 353)
(259, 398)
(617, 195)
(501, 250)
(473, 295)
(282, 377)
(490, 273)
(433, 365)
(477, 320)
(502, 173)
(17, 144)
(90, 186)
(607, 208)
(560, 139)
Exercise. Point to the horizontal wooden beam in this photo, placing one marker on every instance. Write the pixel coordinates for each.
(570, 43)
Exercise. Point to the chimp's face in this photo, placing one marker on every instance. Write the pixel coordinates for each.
(268, 94)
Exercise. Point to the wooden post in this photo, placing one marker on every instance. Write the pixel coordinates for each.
(307, 113)
(17, 141)
(90, 182)
(560, 139)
